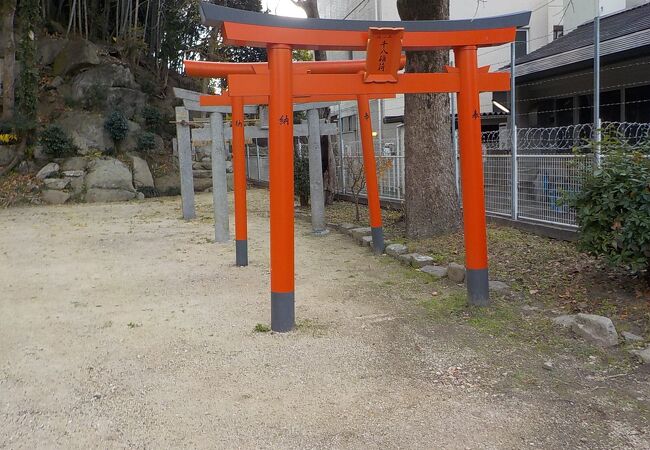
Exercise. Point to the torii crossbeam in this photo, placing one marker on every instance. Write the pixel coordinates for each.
(383, 42)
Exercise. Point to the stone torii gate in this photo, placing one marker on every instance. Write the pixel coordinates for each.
(217, 132)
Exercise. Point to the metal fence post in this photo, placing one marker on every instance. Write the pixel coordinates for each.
(259, 169)
(248, 162)
(514, 176)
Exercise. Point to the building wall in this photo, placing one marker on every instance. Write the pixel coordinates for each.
(577, 12)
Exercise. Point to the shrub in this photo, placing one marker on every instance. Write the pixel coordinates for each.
(56, 142)
(613, 207)
(146, 141)
(301, 177)
(95, 97)
(117, 126)
(153, 119)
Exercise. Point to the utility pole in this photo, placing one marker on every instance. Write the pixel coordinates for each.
(597, 136)
(514, 195)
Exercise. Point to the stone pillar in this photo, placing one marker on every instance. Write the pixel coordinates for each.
(184, 144)
(219, 182)
(316, 192)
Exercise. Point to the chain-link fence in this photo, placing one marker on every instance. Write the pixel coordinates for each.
(549, 163)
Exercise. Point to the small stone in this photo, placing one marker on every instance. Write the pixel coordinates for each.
(58, 184)
(73, 173)
(346, 227)
(97, 395)
(405, 258)
(596, 329)
(548, 365)
(366, 241)
(456, 272)
(566, 320)
(52, 197)
(140, 196)
(644, 354)
(358, 233)
(631, 337)
(498, 286)
(436, 271)
(396, 249)
(47, 171)
(418, 261)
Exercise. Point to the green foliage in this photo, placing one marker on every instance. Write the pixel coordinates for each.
(117, 126)
(27, 98)
(153, 118)
(262, 328)
(146, 141)
(95, 97)
(301, 177)
(302, 55)
(613, 207)
(56, 142)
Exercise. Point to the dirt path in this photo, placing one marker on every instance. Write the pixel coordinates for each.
(123, 326)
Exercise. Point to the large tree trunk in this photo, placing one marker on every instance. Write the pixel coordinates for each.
(432, 205)
(8, 12)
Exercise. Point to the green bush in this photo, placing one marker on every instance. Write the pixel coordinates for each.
(95, 97)
(117, 126)
(153, 118)
(146, 141)
(56, 142)
(301, 177)
(613, 207)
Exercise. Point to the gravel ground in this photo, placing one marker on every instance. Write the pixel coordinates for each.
(123, 326)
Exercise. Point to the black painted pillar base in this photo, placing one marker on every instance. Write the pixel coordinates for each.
(378, 245)
(241, 253)
(283, 312)
(478, 287)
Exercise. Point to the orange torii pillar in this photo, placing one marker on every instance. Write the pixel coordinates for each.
(379, 39)
(239, 175)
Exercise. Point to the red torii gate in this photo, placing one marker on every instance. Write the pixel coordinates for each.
(383, 42)
(221, 69)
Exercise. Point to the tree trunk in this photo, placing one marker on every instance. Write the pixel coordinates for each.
(9, 65)
(432, 205)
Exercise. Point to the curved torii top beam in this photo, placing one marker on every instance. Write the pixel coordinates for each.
(240, 28)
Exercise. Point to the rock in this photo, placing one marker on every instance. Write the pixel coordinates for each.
(26, 167)
(48, 49)
(405, 258)
(76, 55)
(418, 261)
(74, 163)
(230, 182)
(169, 184)
(631, 337)
(548, 365)
(228, 166)
(358, 233)
(566, 320)
(140, 196)
(206, 163)
(129, 101)
(73, 173)
(456, 272)
(596, 329)
(130, 143)
(77, 184)
(643, 354)
(498, 286)
(346, 227)
(109, 173)
(201, 184)
(52, 197)
(366, 241)
(141, 173)
(436, 271)
(7, 153)
(57, 184)
(98, 195)
(86, 130)
(396, 249)
(202, 174)
(105, 76)
(48, 171)
(55, 83)
(197, 165)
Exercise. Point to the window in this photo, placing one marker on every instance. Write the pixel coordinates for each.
(521, 43)
(564, 111)
(637, 104)
(610, 106)
(558, 31)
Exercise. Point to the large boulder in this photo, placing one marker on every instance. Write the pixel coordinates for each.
(47, 171)
(109, 195)
(109, 173)
(141, 173)
(130, 142)
(48, 49)
(74, 163)
(129, 101)
(596, 329)
(87, 131)
(54, 197)
(76, 55)
(105, 76)
(169, 184)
